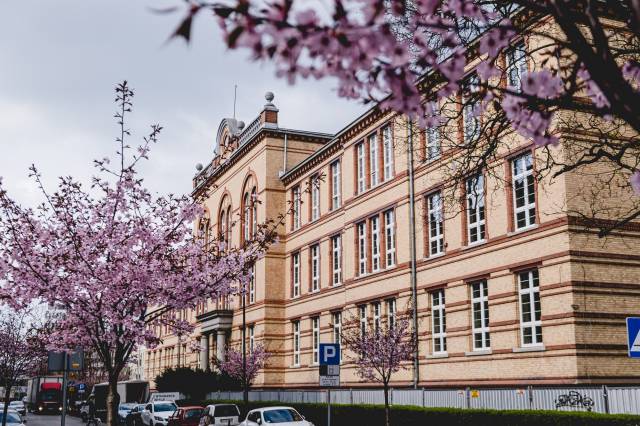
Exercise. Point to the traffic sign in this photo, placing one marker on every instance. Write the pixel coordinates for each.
(329, 381)
(633, 337)
(329, 354)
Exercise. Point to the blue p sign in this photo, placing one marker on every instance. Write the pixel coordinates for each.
(329, 354)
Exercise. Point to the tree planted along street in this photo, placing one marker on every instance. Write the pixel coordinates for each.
(116, 261)
(244, 367)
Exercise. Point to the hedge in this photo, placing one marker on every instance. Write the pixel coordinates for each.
(373, 415)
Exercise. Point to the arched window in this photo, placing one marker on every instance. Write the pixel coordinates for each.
(254, 211)
(228, 226)
(246, 217)
(222, 225)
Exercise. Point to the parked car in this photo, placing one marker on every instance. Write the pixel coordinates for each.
(133, 418)
(157, 413)
(186, 416)
(13, 418)
(84, 411)
(221, 414)
(283, 416)
(19, 407)
(123, 412)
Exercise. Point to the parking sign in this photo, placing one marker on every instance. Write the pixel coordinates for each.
(329, 354)
(633, 336)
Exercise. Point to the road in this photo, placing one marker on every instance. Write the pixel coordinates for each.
(51, 420)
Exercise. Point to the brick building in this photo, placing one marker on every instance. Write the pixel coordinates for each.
(511, 289)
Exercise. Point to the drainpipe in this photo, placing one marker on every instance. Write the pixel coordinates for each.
(412, 242)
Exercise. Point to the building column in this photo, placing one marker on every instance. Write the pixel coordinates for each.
(178, 360)
(204, 352)
(220, 343)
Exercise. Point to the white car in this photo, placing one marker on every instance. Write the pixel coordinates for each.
(19, 407)
(13, 418)
(221, 415)
(157, 413)
(283, 416)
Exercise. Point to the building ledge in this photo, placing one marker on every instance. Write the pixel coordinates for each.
(438, 355)
(532, 348)
(478, 353)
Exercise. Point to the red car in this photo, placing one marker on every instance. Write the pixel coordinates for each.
(186, 416)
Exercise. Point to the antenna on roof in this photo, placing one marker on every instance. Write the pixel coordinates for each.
(235, 93)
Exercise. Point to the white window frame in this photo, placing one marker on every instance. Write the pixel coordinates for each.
(247, 218)
(390, 237)
(376, 316)
(476, 219)
(387, 146)
(470, 123)
(375, 243)
(480, 310)
(295, 265)
(525, 177)
(251, 338)
(362, 248)
(296, 343)
(252, 285)
(391, 313)
(315, 198)
(436, 224)
(315, 267)
(517, 68)
(336, 182)
(336, 258)
(315, 338)
(438, 322)
(337, 329)
(296, 207)
(254, 211)
(362, 173)
(362, 309)
(374, 164)
(432, 136)
(530, 296)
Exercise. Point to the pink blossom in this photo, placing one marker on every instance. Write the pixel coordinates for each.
(542, 84)
(635, 182)
(494, 40)
(233, 363)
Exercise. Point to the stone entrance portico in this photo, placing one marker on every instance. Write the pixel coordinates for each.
(215, 327)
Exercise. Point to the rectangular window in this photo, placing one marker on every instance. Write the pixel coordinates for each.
(390, 237)
(471, 124)
(530, 312)
(373, 160)
(362, 182)
(480, 312)
(524, 195)
(251, 339)
(362, 309)
(391, 313)
(252, 285)
(315, 327)
(336, 259)
(436, 224)
(336, 190)
(362, 248)
(516, 66)
(432, 135)
(375, 243)
(439, 322)
(315, 267)
(315, 198)
(475, 209)
(337, 327)
(387, 146)
(295, 199)
(296, 343)
(376, 317)
(295, 273)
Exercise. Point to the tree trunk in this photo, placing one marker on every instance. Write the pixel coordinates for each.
(7, 393)
(113, 400)
(387, 421)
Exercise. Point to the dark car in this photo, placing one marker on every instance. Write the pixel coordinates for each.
(186, 416)
(133, 418)
(123, 412)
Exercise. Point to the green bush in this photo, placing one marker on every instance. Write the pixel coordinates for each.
(195, 384)
(373, 415)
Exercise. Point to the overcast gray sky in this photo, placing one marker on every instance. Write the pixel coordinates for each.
(59, 63)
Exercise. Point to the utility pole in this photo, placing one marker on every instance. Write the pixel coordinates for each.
(412, 242)
(65, 380)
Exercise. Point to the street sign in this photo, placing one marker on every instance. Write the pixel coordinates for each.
(75, 361)
(329, 354)
(329, 381)
(633, 337)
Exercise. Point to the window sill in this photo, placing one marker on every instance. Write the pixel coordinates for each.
(521, 230)
(473, 245)
(438, 355)
(336, 284)
(479, 352)
(295, 366)
(532, 348)
(435, 256)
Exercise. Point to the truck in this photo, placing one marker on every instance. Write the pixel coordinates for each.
(130, 391)
(44, 394)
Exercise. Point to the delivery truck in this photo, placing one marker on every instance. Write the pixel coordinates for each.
(44, 394)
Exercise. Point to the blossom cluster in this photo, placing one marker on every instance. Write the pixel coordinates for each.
(237, 368)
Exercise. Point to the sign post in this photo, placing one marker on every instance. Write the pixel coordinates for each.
(329, 371)
(65, 362)
(633, 337)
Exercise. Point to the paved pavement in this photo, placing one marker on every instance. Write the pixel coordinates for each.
(51, 420)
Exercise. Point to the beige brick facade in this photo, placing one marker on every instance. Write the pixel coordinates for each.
(585, 285)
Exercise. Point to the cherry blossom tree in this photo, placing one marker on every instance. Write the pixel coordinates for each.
(399, 53)
(22, 351)
(244, 367)
(379, 351)
(116, 261)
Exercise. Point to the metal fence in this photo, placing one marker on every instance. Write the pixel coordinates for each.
(601, 399)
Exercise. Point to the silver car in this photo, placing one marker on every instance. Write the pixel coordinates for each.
(282, 416)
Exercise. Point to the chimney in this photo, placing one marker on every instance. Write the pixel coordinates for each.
(269, 114)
